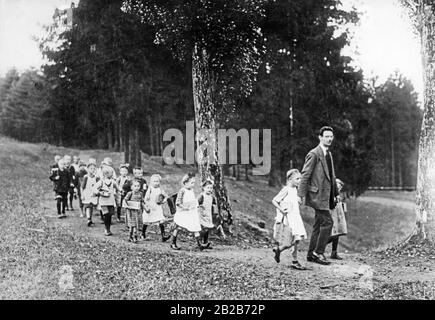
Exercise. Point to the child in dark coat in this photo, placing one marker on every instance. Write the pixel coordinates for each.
(62, 184)
(72, 172)
(138, 175)
(80, 174)
(124, 182)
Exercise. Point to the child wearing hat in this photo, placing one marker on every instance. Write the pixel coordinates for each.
(106, 163)
(55, 165)
(88, 196)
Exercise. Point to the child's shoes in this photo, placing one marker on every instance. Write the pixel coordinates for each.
(296, 265)
(277, 254)
(175, 247)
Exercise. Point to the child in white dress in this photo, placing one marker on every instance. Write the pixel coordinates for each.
(155, 197)
(187, 217)
(289, 228)
(89, 199)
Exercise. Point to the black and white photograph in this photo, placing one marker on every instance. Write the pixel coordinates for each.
(204, 153)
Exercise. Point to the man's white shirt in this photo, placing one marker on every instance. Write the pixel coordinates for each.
(324, 149)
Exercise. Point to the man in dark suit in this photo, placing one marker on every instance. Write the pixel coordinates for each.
(318, 190)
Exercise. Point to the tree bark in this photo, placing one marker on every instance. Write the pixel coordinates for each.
(425, 198)
(203, 84)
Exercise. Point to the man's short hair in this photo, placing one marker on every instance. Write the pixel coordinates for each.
(326, 128)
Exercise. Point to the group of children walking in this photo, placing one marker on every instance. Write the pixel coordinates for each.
(99, 190)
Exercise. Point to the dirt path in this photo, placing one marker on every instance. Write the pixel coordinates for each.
(343, 275)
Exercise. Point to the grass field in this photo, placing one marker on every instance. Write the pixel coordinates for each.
(34, 245)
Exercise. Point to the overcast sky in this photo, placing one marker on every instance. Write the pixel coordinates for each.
(384, 40)
(19, 21)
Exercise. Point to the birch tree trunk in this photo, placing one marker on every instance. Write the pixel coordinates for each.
(205, 118)
(425, 199)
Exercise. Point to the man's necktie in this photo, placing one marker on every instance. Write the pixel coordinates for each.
(331, 195)
(329, 162)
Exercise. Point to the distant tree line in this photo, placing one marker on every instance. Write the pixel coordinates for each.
(110, 84)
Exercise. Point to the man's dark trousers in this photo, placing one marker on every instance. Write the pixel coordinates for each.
(321, 232)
